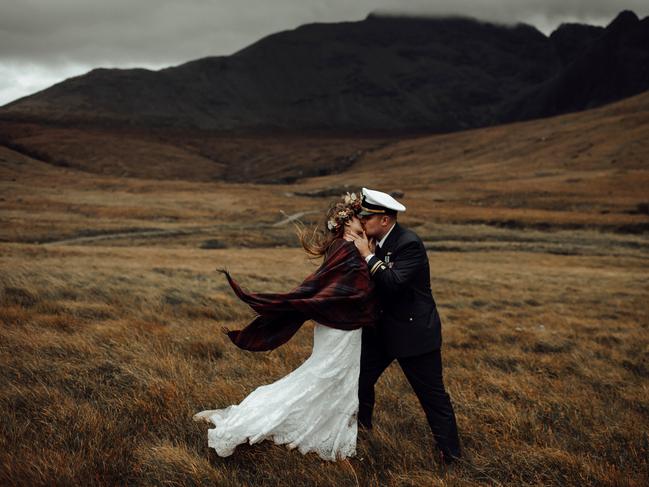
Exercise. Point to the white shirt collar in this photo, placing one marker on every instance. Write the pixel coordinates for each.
(382, 241)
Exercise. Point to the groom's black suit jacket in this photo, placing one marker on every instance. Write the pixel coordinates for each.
(408, 322)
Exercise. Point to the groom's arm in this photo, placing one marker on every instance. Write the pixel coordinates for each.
(407, 261)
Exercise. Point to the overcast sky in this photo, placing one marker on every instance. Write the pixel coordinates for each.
(45, 41)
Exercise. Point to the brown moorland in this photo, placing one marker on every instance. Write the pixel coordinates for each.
(111, 312)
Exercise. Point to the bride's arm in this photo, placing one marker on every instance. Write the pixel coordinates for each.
(350, 234)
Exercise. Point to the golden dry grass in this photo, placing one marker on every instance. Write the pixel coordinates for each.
(109, 346)
(585, 170)
(108, 351)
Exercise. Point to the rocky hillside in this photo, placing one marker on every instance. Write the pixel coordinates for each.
(605, 67)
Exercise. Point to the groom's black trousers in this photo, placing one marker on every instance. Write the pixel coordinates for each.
(424, 372)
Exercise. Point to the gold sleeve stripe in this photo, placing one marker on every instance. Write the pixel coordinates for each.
(376, 265)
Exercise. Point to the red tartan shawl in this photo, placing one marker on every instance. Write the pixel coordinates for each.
(338, 294)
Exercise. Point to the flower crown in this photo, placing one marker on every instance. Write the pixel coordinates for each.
(343, 211)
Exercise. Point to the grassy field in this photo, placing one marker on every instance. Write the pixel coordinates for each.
(108, 351)
(111, 314)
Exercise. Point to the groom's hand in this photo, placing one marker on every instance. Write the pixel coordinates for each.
(362, 244)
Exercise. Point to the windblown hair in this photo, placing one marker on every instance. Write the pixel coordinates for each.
(317, 240)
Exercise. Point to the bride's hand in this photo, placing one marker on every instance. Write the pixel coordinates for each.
(372, 244)
(362, 244)
(348, 235)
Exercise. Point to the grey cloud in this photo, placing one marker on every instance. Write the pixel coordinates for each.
(167, 31)
(148, 31)
(66, 36)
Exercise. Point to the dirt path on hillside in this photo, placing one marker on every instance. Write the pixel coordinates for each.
(157, 232)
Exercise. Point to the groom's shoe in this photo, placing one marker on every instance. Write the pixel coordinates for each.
(448, 458)
(364, 426)
(364, 423)
(364, 433)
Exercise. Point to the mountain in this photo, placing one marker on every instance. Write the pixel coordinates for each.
(614, 65)
(379, 74)
(571, 40)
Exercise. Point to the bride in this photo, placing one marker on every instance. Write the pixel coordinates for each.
(314, 407)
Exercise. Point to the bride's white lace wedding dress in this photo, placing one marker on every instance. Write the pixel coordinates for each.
(312, 409)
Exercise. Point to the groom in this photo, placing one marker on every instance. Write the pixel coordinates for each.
(409, 328)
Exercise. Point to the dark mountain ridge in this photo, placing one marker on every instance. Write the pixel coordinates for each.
(612, 66)
(379, 74)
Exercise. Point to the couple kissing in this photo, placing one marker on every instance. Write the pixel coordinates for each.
(372, 303)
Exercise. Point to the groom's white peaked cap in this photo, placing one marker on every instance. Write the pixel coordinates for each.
(376, 202)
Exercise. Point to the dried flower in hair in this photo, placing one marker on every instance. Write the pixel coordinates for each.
(343, 211)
